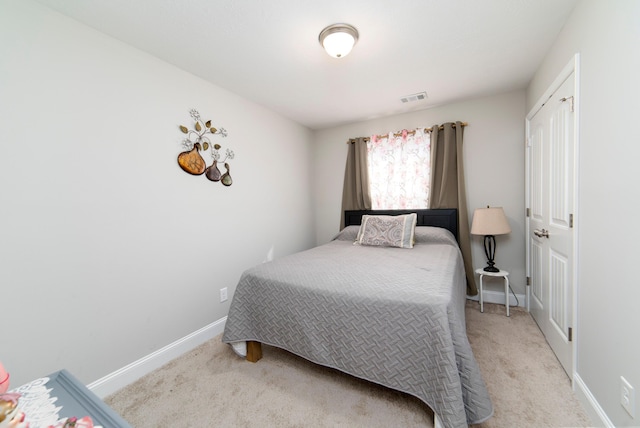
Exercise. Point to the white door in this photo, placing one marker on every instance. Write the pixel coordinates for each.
(551, 183)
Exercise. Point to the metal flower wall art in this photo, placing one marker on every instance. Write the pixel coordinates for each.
(197, 140)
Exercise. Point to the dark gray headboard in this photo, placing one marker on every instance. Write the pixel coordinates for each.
(441, 217)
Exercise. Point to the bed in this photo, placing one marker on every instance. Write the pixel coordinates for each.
(393, 316)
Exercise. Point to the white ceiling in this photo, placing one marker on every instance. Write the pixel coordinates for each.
(268, 51)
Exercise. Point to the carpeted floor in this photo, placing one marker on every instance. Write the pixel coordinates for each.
(212, 387)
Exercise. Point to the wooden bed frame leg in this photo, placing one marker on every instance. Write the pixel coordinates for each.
(254, 351)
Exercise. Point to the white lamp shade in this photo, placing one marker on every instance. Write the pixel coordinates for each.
(338, 39)
(490, 221)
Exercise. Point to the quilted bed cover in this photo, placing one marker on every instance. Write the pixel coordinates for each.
(393, 316)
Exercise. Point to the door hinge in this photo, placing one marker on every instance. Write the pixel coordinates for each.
(528, 212)
(570, 334)
(528, 280)
(570, 220)
(570, 99)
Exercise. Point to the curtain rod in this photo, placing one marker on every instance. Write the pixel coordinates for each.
(398, 134)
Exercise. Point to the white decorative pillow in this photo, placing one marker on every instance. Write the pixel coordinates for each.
(387, 230)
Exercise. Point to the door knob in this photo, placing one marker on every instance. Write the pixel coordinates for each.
(541, 233)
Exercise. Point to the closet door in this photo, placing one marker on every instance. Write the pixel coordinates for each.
(551, 201)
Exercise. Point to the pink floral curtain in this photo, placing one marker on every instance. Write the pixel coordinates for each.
(400, 170)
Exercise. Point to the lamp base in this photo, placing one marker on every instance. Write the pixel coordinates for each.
(490, 252)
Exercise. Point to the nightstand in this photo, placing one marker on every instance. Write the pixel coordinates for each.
(501, 273)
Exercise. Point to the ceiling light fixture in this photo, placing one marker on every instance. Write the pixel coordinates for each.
(338, 39)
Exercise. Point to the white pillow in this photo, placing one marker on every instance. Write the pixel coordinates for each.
(387, 230)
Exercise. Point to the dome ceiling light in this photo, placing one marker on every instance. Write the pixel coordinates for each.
(338, 39)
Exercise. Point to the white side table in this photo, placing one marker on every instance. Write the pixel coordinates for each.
(501, 273)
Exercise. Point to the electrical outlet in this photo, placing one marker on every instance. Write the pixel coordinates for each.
(627, 397)
(223, 294)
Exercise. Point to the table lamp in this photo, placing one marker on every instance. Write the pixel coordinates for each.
(489, 222)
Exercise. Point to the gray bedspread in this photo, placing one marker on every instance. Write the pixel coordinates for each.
(392, 316)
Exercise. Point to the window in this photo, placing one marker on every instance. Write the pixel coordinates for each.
(400, 170)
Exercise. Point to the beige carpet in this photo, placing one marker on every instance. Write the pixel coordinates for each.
(212, 387)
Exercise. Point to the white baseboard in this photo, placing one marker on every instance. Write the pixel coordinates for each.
(134, 371)
(491, 296)
(590, 404)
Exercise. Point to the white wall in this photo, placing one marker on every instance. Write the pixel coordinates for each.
(607, 36)
(494, 167)
(108, 250)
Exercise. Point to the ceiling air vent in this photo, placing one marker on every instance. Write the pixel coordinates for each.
(414, 97)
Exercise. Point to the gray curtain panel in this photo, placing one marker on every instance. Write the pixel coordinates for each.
(448, 189)
(355, 193)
